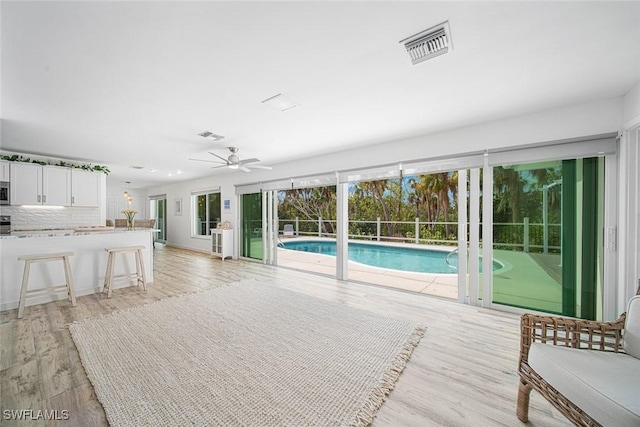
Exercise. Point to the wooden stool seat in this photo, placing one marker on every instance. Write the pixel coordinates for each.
(67, 287)
(139, 276)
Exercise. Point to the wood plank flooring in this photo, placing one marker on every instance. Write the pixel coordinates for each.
(463, 372)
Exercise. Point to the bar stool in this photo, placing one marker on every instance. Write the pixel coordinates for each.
(139, 275)
(67, 287)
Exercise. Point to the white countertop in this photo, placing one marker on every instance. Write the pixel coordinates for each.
(72, 232)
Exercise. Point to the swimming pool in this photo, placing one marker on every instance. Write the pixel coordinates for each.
(392, 257)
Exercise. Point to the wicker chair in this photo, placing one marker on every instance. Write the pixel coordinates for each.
(567, 332)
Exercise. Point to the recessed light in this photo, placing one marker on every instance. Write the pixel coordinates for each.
(136, 167)
(211, 135)
(280, 102)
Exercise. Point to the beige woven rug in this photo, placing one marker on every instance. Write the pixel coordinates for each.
(247, 354)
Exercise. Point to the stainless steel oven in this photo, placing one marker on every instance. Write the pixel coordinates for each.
(4, 193)
(5, 224)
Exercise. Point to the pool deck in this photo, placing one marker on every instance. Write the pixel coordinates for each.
(441, 285)
(525, 283)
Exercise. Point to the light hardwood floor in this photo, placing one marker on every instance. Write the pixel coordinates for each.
(463, 372)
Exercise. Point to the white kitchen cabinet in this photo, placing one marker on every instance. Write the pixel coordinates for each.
(26, 184)
(222, 243)
(85, 188)
(4, 171)
(33, 184)
(56, 186)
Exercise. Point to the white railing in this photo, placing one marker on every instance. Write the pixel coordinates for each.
(522, 235)
(527, 236)
(326, 228)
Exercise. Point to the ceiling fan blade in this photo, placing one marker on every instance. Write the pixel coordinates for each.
(221, 166)
(254, 160)
(221, 158)
(261, 167)
(243, 168)
(208, 161)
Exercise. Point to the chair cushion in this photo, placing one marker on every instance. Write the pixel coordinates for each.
(605, 385)
(632, 328)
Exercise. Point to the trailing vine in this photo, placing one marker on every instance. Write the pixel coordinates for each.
(62, 163)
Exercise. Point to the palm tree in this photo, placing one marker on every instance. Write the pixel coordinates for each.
(509, 191)
(433, 192)
(448, 184)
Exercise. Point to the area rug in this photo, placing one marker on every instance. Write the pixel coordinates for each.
(246, 354)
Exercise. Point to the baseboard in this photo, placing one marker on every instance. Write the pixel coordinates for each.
(10, 305)
(43, 299)
(187, 248)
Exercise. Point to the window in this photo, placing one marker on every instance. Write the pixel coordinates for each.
(207, 209)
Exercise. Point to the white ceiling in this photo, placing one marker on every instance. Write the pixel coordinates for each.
(133, 83)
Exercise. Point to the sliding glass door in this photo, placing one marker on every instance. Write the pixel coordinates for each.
(547, 235)
(158, 211)
(251, 226)
(403, 232)
(519, 235)
(307, 229)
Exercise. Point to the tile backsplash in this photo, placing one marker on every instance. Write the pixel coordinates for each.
(42, 217)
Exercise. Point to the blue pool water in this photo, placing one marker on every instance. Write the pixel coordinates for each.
(392, 257)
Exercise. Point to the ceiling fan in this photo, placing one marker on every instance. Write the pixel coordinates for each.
(234, 162)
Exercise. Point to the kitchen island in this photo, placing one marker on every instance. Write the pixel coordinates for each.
(88, 265)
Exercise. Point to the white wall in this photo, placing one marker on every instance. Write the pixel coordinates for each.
(116, 202)
(631, 106)
(551, 125)
(179, 226)
(629, 197)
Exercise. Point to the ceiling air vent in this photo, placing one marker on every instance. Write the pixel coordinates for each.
(429, 43)
(211, 135)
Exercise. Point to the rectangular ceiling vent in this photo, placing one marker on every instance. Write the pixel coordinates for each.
(211, 135)
(429, 43)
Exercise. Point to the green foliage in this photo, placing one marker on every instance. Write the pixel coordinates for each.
(397, 202)
(89, 167)
(433, 200)
(310, 204)
(518, 194)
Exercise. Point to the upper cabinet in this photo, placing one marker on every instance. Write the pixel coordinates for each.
(56, 186)
(26, 184)
(32, 184)
(85, 188)
(4, 171)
